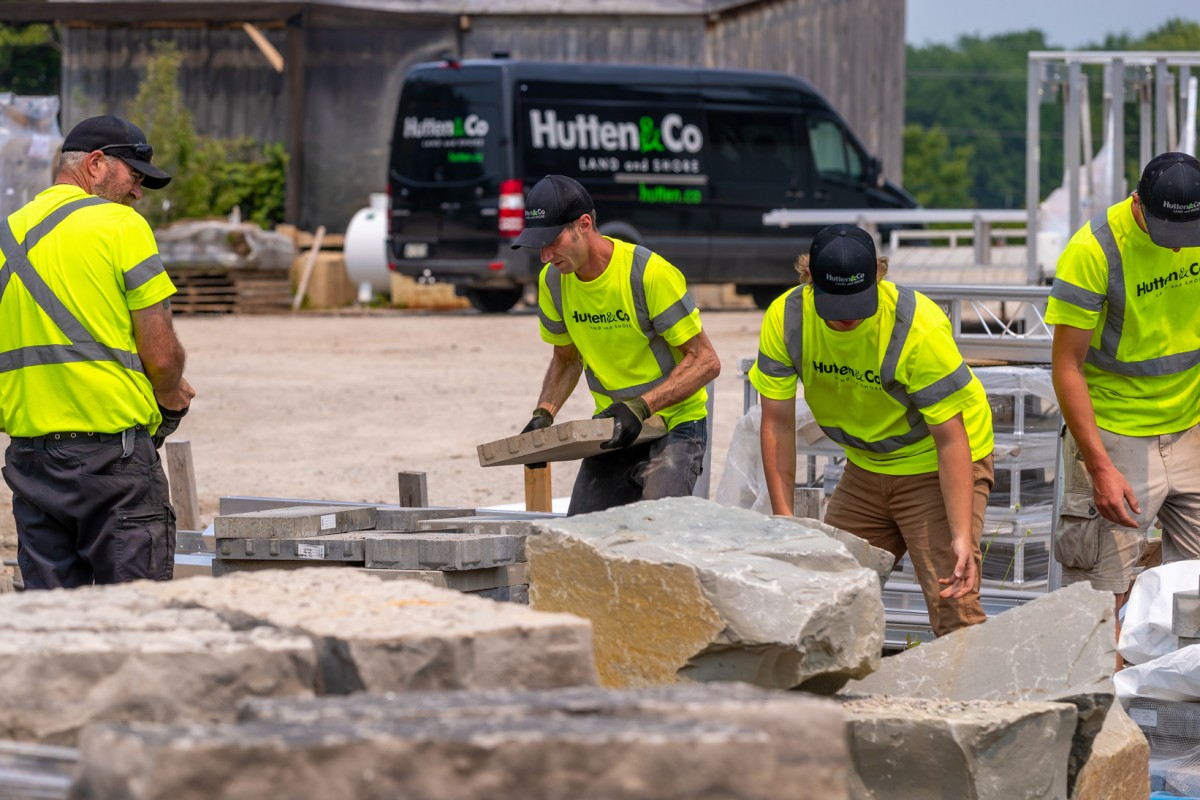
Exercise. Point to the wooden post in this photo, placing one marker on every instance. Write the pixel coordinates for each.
(182, 477)
(538, 494)
(808, 502)
(413, 491)
(306, 273)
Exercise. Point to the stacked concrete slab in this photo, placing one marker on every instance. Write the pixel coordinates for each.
(381, 539)
(1057, 649)
(685, 589)
(189, 650)
(684, 742)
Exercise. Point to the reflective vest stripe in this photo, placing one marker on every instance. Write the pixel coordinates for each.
(1077, 295)
(83, 346)
(650, 328)
(906, 303)
(1105, 356)
(140, 275)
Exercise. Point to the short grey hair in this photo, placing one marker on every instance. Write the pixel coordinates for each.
(71, 160)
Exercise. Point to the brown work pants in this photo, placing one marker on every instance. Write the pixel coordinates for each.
(906, 514)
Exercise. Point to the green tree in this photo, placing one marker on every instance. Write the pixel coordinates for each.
(938, 176)
(209, 176)
(30, 59)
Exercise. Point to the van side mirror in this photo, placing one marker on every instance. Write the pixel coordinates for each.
(873, 172)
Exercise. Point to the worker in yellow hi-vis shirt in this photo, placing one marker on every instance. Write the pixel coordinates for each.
(621, 315)
(91, 372)
(885, 380)
(1126, 367)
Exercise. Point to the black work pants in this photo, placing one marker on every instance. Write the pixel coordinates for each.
(86, 513)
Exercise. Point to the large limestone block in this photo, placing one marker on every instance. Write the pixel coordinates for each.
(684, 588)
(1058, 647)
(111, 653)
(809, 731)
(379, 635)
(1045, 649)
(865, 554)
(1118, 766)
(916, 748)
(466, 759)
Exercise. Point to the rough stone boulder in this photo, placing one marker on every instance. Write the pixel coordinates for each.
(189, 650)
(912, 748)
(727, 742)
(115, 653)
(688, 589)
(378, 635)
(1060, 647)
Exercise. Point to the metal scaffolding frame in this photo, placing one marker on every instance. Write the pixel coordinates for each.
(1167, 121)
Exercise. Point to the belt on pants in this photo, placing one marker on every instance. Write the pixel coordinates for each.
(76, 437)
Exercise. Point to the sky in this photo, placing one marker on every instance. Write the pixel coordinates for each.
(1068, 24)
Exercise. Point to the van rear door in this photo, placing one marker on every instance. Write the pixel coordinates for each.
(446, 167)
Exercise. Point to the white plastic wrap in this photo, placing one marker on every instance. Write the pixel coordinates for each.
(1174, 676)
(1146, 631)
(743, 483)
(29, 143)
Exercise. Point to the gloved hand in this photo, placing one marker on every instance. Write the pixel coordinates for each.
(542, 418)
(627, 416)
(170, 421)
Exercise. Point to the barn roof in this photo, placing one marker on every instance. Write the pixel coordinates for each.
(157, 12)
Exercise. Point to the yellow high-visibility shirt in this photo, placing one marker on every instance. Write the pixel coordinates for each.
(1140, 301)
(602, 319)
(844, 379)
(68, 360)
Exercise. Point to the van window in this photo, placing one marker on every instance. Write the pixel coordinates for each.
(448, 130)
(834, 155)
(751, 148)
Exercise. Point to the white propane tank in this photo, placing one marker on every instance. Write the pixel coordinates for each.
(365, 246)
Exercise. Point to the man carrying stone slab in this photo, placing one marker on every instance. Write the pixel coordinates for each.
(622, 315)
(1127, 377)
(884, 379)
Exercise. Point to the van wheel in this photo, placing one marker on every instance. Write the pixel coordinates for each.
(494, 301)
(765, 295)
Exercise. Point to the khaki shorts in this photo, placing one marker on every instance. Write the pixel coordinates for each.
(1164, 472)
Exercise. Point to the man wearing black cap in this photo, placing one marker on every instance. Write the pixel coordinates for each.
(623, 316)
(91, 371)
(1126, 367)
(884, 379)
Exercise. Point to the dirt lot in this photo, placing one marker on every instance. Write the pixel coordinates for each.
(333, 406)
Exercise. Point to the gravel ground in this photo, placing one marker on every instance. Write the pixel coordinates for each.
(332, 406)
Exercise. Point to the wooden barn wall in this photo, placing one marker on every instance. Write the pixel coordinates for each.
(227, 84)
(677, 41)
(850, 50)
(352, 82)
(335, 103)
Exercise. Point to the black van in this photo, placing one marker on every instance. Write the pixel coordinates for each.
(684, 161)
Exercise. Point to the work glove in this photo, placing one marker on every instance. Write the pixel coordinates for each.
(627, 417)
(170, 421)
(542, 418)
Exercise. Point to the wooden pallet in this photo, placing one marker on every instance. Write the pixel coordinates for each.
(217, 291)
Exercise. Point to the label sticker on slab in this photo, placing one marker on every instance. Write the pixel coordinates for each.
(310, 551)
(328, 521)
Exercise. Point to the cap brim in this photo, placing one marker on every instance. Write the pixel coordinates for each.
(1171, 234)
(153, 177)
(860, 305)
(538, 237)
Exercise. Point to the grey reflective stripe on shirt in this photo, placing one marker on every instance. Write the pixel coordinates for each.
(906, 304)
(651, 328)
(142, 274)
(83, 346)
(1105, 356)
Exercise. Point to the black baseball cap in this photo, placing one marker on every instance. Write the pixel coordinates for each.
(843, 265)
(116, 137)
(553, 202)
(1169, 192)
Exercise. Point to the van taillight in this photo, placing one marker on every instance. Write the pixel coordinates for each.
(512, 208)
